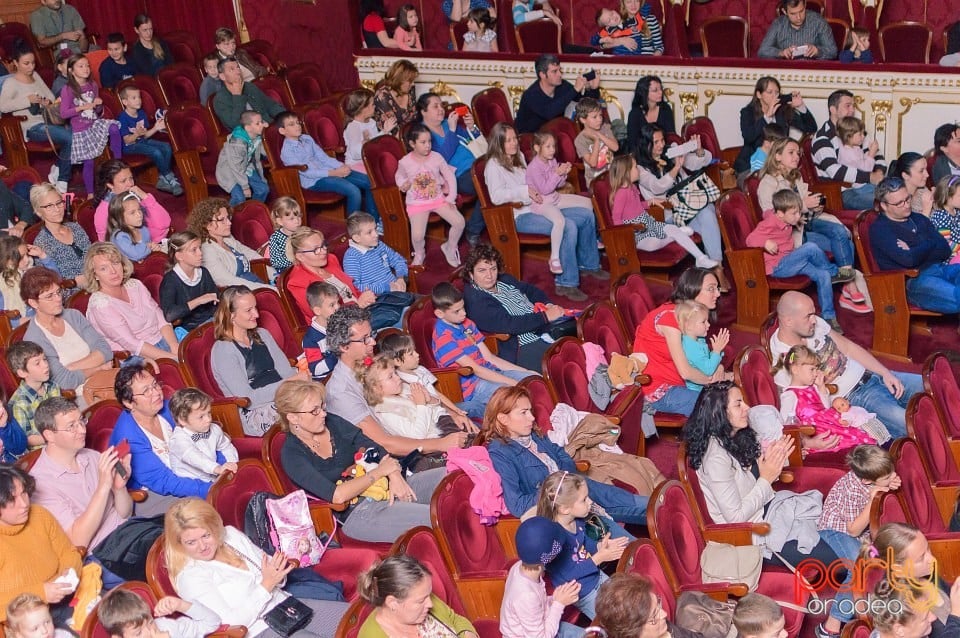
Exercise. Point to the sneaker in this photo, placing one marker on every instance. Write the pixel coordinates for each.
(850, 292)
(571, 293)
(451, 254)
(835, 325)
(821, 632)
(380, 228)
(175, 185)
(851, 305)
(54, 175)
(163, 184)
(706, 262)
(843, 276)
(602, 275)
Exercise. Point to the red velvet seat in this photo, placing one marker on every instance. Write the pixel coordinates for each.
(252, 224)
(737, 220)
(724, 37)
(265, 54)
(306, 83)
(840, 28)
(679, 541)
(419, 322)
(674, 23)
(888, 290)
(150, 92)
(294, 315)
(184, 46)
(703, 126)
(11, 32)
(196, 147)
(941, 372)
(565, 132)
(906, 41)
(323, 121)
(924, 426)
(17, 152)
(101, 417)
(538, 36)
(381, 155)
(632, 298)
(196, 347)
(180, 83)
(489, 107)
(150, 272)
(829, 189)
(751, 372)
(275, 88)
(274, 320)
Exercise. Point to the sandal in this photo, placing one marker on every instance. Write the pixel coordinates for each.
(556, 267)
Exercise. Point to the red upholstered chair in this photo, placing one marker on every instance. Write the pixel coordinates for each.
(252, 224)
(275, 88)
(180, 83)
(906, 42)
(16, 151)
(737, 220)
(265, 54)
(924, 426)
(839, 28)
(419, 322)
(150, 272)
(8, 380)
(489, 107)
(196, 147)
(294, 316)
(101, 417)
(381, 155)
(353, 619)
(703, 126)
(674, 24)
(724, 37)
(11, 32)
(306, 82)
(858, 628)
(751, 372)
(565, 132)
(829, 189)
(541, 400)
(323, 121)
(150, 92)
(538, 36)
(888, 291)
(565, 371)
(941, 380)
(184, 46)
(457, 31)
(84, 216)
(601, 324)
(679, 541)
(196, 347)
(632, 298)
(474, 553)
(274, 319)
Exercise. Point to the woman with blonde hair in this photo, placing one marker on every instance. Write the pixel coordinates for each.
(219, 567)
(246, 360)
(396, 94)
(64, 241)
(121, 308)
(319, 450)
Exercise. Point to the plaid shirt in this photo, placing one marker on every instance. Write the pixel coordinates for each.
(845, 502)
(24, 402)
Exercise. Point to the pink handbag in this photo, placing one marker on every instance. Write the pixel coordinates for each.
(291, 529)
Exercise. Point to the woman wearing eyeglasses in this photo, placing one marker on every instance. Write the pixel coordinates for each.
(64, 242)
(319, 450)
(246, 360)
(628, 606)
(147, 425)
(224, 256)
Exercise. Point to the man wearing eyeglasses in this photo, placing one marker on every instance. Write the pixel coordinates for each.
(901, 239)
(86, 491)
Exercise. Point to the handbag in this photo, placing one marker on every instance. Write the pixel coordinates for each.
(288, 617)
(291, 528)
(726, 563)
(691, 195)
(99, 386)
(595, 527)
(476, 145)
(699, 613)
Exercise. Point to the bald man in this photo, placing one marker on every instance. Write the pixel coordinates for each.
(859, 377)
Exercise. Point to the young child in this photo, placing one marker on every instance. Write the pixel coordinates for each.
(596, 143)
(416, 414)
(323, 173)
(29, 617)
(523, 11)
(30, 364)
(693, 319)
(126, 228)
(287, 217)
(13, 438)
(123, 614)
(211, 77)
(16, 256)
(372, 264)
(61, 79)
(81, 104)
(198, 446)
(116, 67)
(856, 48)
(401, 348)
(240, 165)
(138, 139)
(545, 175)
(759, 616)
(526, 610)
(611, 28)
(458, 341)
(362, 127)
(480, 36)
(564, 499)
(851, 132)
(771, 133)
(946, 213)
(324, 300)
(431, 187)
(407, 33)
(629, 207)
(782, 257)
(188, 293)
(805, 400)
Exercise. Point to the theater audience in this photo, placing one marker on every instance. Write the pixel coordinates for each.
(550, 95)
(188, 295)
(765, 108)
(911, 168)
(457, 10)
(946, 145)
(649, 107)
(396, 95)
(798, 33)
(374, 30)
(237, 95)
(115, 177)
(64, 241)
(224, 256)
(150, 53)
(226, 44)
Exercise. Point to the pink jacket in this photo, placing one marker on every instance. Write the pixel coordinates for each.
(486, 499)
(771, 227)
(627, 205)
(542, 176)
(155, 218)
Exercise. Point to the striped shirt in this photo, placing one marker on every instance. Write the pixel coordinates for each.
(374, 268)
(516, 304)
(948, 225)
(451, 342)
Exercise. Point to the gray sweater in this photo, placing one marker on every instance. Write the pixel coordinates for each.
(68, 379)
(230, 371)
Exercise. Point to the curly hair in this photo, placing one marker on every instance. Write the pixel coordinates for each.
(339, 324)
(481, 252)
(203, 213)
(709, 420)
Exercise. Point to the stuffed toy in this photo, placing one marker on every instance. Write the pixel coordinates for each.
(364, 461)
(624, 369)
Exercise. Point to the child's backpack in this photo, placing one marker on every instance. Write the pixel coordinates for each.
(283, 523)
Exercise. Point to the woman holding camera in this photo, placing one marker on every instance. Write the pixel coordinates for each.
(769, 107)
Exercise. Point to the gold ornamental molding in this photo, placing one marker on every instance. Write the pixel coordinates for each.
(241, 23)
(689, 102)
(907, 104)
(881, 114)
(610, 98)
(515, 93)
(443, 89)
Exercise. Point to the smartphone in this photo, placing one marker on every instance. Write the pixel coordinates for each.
(786, 99)
(123, 449)
(462, 111)
(590, 75)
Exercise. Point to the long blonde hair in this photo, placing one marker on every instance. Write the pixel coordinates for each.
(187, 514)
(772, 165)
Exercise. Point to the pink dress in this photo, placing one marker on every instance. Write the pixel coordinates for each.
(812, 411)
(432, 182)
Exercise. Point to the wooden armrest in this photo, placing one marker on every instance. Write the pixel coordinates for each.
(799, 430)
(735, 533)
(787, 476)
(717, 591)
(642, 379)
(137, 496)
(260, 267)
(583, 466)
(119, 356)
(229, 631)
(226, 412)
(67, 284)
(83, 550)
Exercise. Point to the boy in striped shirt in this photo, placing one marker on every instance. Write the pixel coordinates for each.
(372, 264)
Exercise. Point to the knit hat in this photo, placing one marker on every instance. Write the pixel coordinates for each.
(539, 540)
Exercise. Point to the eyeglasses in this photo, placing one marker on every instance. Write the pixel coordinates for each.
(56, 204)
(655, 616)
(902, 202)
(73, 427)
(365, 339)
(322, 248)
(314, 412)
(153, 387)
(49, 296)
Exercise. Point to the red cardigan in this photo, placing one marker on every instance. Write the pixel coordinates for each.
(300, 279)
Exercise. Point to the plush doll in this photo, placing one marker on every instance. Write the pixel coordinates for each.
(855, 416)
(364, 461)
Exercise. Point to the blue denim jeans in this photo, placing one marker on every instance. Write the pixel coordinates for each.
(476, 406)
(578, 248)
(833, 238)
(936, 288)
(707, 226)
(622, 505)
(848, 548)
(588, 601)
(475, 225)
(62, 136)
(355, 187)
(679, 400)
(258, 190)
(159, 152)
(859, 197)
(811, 261)
(873, 396)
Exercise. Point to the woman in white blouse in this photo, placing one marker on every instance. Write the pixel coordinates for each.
(222, 569)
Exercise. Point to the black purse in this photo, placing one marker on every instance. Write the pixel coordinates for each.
(288, 617)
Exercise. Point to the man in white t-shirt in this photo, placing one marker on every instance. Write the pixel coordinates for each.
(859, 377)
